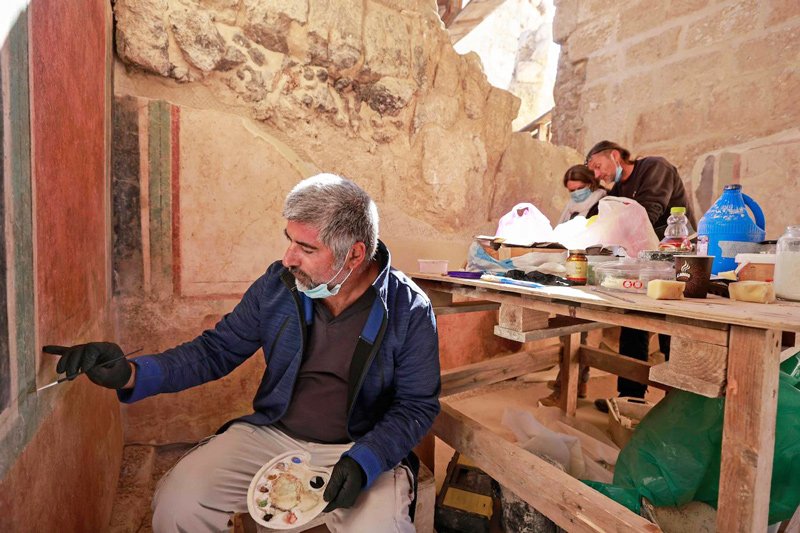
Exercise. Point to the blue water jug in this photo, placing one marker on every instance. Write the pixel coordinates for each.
(727, 220)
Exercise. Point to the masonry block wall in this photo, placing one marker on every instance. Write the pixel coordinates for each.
(710, 84)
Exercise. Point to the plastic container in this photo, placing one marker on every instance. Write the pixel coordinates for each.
(727, 221)
(787, 265)
(755, 267)
(631, 275)
(433, 266)
(676, 236)
(594, 261)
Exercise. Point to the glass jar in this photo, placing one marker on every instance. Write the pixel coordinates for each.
(577, 267)
(787, 265)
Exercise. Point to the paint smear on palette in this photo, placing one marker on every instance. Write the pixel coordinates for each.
(287, 491)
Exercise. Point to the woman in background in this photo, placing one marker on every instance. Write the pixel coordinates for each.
(584, 191)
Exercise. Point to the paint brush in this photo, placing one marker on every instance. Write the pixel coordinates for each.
(62, 380)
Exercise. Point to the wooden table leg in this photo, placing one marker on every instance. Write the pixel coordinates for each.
(748, 435)
(570, 375)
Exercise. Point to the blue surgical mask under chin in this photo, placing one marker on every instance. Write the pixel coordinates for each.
(618, 174)
(322, 290)
(580, 195)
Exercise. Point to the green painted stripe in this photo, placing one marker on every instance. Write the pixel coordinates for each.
(160, 159)
(19, 154)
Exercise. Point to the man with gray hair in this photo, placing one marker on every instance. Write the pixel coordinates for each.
(352, 374)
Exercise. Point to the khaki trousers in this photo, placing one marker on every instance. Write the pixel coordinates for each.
(209, 484)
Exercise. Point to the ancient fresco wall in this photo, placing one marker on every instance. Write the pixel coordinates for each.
(55, 277)
(222, 106)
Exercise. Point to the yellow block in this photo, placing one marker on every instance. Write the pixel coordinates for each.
(468, 501)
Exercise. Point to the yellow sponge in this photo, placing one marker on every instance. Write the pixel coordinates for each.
(760, 292)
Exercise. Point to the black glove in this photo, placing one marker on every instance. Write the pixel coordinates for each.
(91, 358)
(345, 484)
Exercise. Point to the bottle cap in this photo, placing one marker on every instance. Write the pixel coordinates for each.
(577, 252)
(677, 210)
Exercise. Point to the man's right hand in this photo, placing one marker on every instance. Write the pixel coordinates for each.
(94, 359)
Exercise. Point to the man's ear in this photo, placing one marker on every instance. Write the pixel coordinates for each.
(358, 255)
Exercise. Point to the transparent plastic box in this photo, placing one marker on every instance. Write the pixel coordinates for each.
(631, 275)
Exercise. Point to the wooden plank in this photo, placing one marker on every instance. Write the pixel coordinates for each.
(517, 318)
(700, 360)
(470, 16)
(570, 373)
(627, 367)
(557, 327)
(497, 369)
(663, 374)
(649, 322)
(780, 315)
(792, 525)
(565, 500)
(695, 322)
(748, 434)
(439, 298)
(465, 307)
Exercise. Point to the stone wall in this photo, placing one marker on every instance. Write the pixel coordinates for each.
(686, 80)
(222, 106)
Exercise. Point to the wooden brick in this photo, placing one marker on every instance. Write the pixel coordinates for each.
(518, 318)
(700, 360)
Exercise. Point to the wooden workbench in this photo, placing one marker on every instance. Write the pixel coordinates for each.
(720, 347)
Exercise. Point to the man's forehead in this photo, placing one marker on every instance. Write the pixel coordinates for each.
(593, 157)
(302, 233)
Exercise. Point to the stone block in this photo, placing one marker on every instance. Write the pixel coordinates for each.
(340, 24)
(640, 17)
(737, 18)
(600, 66)
(141, 34)
(198, 38)
(653, 49)
(387, 42)
(760, 53)
(742, 104)
(779, 11)
(670, 121)
(565, 20)
(593, 36)
(681, 8)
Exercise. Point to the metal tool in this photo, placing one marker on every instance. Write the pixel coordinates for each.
(62, 380)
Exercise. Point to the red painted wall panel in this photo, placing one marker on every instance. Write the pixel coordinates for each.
(67, 58)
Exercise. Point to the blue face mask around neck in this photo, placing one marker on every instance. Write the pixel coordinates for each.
(580, 195)
(322, 290)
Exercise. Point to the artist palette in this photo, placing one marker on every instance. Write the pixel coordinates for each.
(287, 491)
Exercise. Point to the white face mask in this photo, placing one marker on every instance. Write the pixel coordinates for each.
(321, 290)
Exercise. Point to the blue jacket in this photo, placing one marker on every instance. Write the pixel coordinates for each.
(394, 376)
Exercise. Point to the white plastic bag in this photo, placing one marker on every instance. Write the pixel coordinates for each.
(524, 225)
(622, 222)
(534, 437)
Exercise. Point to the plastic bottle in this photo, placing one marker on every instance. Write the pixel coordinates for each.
(726, 224)
(676, 236)
(787, 265)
